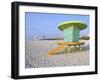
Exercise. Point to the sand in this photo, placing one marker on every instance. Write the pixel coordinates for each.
(36, 55)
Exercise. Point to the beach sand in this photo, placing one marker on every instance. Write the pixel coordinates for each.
(36, 55)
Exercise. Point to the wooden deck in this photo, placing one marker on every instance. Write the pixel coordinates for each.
(63, 45)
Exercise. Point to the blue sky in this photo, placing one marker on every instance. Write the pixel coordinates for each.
(46, 24)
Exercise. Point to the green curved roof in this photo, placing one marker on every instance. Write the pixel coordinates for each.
(79, 24)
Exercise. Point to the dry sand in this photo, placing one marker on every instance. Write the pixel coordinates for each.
(36, 55)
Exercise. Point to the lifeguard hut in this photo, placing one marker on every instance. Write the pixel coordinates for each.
(71, 33)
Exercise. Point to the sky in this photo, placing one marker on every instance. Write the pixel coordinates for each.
(46, 24)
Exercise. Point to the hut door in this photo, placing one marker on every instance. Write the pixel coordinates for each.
(75, 34)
